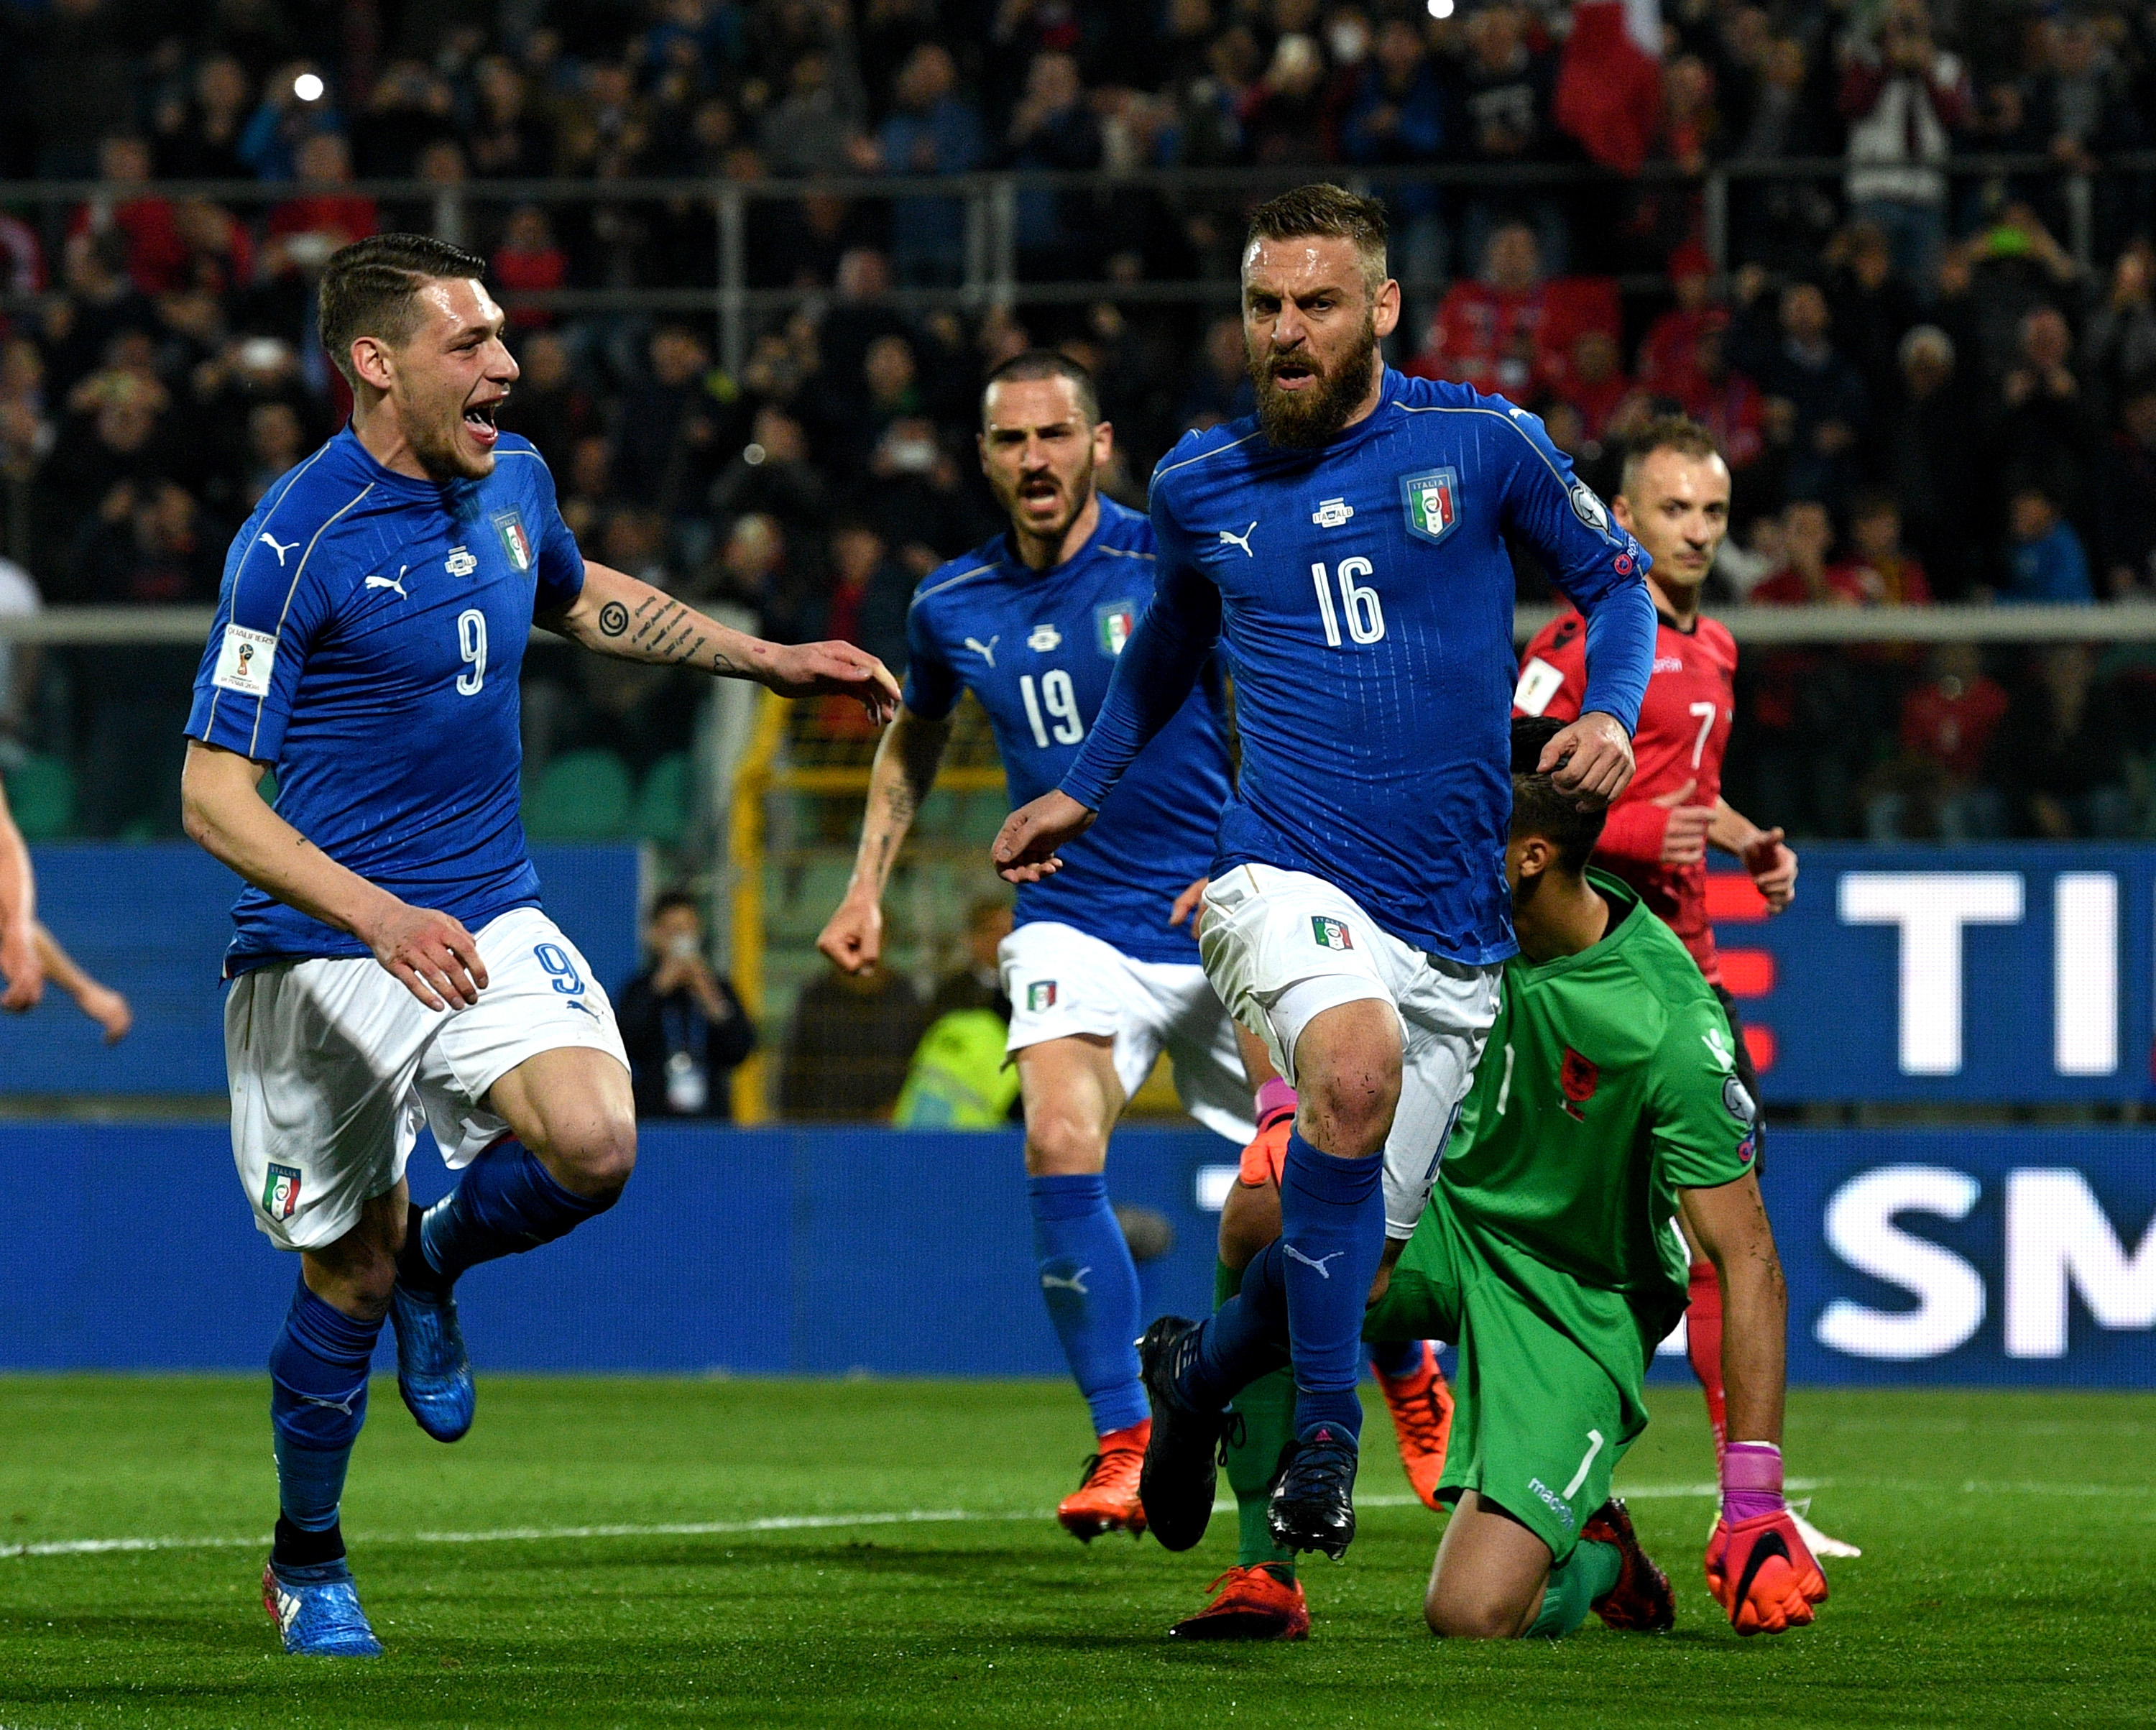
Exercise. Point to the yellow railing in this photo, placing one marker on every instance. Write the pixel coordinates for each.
(766, 769)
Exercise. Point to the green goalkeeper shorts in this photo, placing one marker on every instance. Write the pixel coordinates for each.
(1547, 1381)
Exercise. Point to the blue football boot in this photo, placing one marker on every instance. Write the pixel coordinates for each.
(320, 1616)
(433, 1372)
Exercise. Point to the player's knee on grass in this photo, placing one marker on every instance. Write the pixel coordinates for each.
(1347, 1076)
(1488, 1579)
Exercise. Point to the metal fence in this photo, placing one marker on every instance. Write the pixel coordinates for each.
(989, 204)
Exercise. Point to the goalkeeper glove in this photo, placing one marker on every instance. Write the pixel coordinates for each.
(1758, 1567)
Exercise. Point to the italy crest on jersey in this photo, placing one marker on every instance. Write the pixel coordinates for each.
(1329, 933)
(280, 1194)
(1113, 623)
(1432, 502)
(514, 540)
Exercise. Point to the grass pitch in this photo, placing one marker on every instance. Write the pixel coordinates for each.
(2005, 1578)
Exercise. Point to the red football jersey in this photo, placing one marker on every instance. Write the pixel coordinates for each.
(1683, 732)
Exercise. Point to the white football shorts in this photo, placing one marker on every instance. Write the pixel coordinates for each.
(1061, 981)
(1281, 948)
(334, 1064)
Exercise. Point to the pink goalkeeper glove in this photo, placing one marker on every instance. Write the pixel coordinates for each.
(1758, 1567)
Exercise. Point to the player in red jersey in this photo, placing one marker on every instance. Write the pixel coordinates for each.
(1674, 500)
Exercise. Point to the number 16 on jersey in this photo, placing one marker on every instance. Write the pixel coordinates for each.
(1359, 606)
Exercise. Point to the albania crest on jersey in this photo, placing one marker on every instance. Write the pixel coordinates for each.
(514, 540)
(1113, 623)
(1432, 502)
(1580, 1077)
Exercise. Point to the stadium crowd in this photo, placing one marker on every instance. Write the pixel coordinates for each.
(1924, 395)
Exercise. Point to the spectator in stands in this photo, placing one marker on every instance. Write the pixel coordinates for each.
(868, 600)
(681, 1022)
(408, 108)
(528, 258)
(1932, 791)
(2120, 343)
(1504, 92)
(1989, 282)
(1595, 383)
(1807, 704)
(79, 78)
(1818, 406)
(1487, 331)
(1219, 387)
(932, 130)
(283, 121)
(1876, 572)
(1904, 99)
(1931, 447)
(2078, 106)
(1668, 365)
(30, 522)
(2045, 560)
(1052, 127)
(1872, 307)
(1283, 116)
(276, 444)
(817, 128)
(550, 406)
(603, 128)
(917, 499)
(2125, 495)
(750, 571)
(157, 256)
(1609, 89)
(510, 139)
(2058, 757)
(673, 425)
(113, 441)
(303, 231)
(977, 982)
(196, 136)
(847, 1052)
(1395, 116)
(2044, 428)
(774, 476)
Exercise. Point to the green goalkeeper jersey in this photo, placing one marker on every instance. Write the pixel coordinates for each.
(1608, 1083)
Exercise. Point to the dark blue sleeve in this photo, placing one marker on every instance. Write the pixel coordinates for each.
(931, 686)
(1598, 565)
(1155, 672)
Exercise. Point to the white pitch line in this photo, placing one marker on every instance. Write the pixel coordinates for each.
(956, 1516)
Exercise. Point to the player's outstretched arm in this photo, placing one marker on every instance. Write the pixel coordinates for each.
(104, 1005)
(617, 614)
(24, 978)
(1758, 1565)
(906, 760)
(224, 814)
(1771, 861)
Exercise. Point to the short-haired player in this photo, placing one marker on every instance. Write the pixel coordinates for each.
(1100, 974)
(1550, 1254)
(392, 965)
(1674, 500)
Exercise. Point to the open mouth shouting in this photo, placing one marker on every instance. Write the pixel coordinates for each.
(478, 419)
(1294, 372)
(1039, 494)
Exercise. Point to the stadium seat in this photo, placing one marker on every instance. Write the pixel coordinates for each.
(581, 796)
(662, 803)
(41, 793)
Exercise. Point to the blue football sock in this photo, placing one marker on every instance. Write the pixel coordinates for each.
(317, 1402)
(1246, 1338)
(505, 1203)
(1092, 1287)
(1333, 1236)
(1396, 1357)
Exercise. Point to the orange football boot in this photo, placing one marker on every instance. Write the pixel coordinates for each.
(1259, 1603)
(1107, 1498)
(1421, 1405)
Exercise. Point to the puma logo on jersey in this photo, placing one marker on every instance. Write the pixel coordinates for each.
(270, 541)
(396, 583)
(1076, 1282)
(987, 650)
(1230, 539)
(1323, 1271)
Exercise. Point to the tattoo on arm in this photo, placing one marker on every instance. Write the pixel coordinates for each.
(614, 619)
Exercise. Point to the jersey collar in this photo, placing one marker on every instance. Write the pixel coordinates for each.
(1625, 910)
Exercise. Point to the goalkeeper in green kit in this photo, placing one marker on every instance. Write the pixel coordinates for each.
(1605, 1104)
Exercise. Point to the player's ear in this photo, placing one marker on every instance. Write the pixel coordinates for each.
(1104, 441)
(371, 361)
(1620, 507)
(1385, 309)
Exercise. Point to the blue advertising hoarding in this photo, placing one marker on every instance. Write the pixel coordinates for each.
(1935, 1256)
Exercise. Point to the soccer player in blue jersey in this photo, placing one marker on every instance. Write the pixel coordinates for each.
(1346, 547)
(392, 965)
(1100, 980)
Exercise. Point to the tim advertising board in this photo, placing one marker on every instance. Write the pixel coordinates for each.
(1975, 974)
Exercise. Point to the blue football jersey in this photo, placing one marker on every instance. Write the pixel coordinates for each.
(369, 634)
(1038, 649)
(1364, 597)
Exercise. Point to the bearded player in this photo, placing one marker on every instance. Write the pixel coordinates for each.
(1346, 547)
(1100, 977)
(1676, 502)
(1549, 1253)
(392, 964)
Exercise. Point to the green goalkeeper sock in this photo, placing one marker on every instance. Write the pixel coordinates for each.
(1574, 1583)
(1267, 1410)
